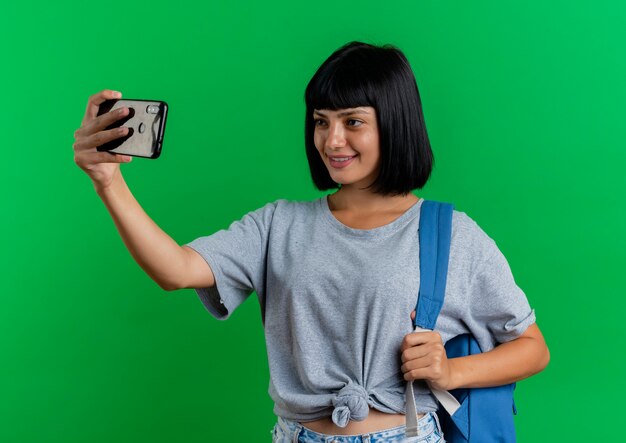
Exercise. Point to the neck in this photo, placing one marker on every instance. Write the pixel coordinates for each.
(364, 201)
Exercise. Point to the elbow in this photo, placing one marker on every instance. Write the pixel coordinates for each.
(544, 354)
(542, 358)
(539, 354)
(167, 286)
(545, 359)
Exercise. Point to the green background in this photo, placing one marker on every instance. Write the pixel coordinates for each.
(524, 104)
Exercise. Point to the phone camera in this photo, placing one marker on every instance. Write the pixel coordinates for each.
(152, 109)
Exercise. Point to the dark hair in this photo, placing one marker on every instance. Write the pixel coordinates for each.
(361, 74)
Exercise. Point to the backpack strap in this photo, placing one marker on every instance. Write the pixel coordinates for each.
(435, 232)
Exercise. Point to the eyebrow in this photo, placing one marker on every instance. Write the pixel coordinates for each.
(342, 114)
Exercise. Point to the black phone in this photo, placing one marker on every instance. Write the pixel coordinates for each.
(145, 123)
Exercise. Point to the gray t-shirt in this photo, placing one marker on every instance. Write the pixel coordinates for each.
(336, 302)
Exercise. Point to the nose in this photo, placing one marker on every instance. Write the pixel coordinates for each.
(335, 137)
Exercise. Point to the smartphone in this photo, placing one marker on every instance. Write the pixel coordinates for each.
(145, 123)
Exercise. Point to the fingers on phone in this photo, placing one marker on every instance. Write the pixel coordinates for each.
(109, 157)
(105, 94)
(112, 134)
(105, 120)
(93, 104)
(102, 137)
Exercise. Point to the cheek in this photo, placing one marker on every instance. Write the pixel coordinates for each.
(374, 145)
(318, 142)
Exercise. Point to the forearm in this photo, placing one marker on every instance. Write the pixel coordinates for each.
(506, 363)
(155, 251)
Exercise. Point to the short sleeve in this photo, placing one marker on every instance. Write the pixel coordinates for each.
(499, 310)
(237, 257)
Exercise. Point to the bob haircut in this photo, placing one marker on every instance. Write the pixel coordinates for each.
(360, 74)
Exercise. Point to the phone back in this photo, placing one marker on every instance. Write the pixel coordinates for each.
(145, 123)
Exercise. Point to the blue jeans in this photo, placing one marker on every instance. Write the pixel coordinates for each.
(288, 431)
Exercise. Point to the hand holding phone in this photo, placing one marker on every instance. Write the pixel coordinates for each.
(146, 126)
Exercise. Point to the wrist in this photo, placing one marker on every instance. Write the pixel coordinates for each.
(455, 374)
(113, 187)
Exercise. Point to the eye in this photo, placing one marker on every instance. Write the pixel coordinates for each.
(317, 120)
(358, 121)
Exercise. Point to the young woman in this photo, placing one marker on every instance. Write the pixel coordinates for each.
(338, 277)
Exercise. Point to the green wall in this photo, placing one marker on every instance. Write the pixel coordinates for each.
(524, 103)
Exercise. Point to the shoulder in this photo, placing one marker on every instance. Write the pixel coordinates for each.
(469, 240)
(283, 211)
(291, 208)
(281, 206)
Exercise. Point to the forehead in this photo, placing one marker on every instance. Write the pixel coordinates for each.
(364, 110)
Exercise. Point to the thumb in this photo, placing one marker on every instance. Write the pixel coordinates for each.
(413, 315)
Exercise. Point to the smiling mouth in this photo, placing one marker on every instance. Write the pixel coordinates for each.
(340, 162)
(340, 158)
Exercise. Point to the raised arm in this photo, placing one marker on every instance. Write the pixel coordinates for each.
(168, 264)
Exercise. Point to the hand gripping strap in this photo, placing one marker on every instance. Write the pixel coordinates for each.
(435, 230)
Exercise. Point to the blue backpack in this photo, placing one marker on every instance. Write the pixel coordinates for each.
(483, 415)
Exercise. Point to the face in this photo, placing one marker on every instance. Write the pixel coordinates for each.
(348, 133)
